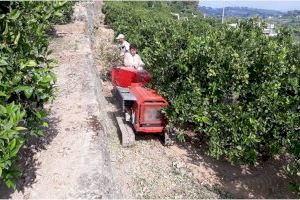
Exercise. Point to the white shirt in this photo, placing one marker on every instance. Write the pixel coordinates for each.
(133, 61)
(124, 47)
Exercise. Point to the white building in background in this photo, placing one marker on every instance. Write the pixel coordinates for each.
(270, 26)
(176, 15)
(234, 25)
(270, 30)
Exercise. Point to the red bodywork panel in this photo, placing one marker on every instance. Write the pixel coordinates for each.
(148, 118)
(125, 76)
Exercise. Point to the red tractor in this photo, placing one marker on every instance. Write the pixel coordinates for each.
(141, 107)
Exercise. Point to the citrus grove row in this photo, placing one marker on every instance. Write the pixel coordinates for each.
(235, 87)
(26, 77)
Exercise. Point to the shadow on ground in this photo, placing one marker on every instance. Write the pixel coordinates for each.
(267, 180)
(27, 162)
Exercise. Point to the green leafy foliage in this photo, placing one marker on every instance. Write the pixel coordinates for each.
(11, 140)
(236, 85)
(26, 77)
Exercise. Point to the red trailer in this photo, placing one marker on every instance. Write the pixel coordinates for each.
(141, 107)
(125, 76)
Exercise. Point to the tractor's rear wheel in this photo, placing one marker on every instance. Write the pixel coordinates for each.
(128, 136)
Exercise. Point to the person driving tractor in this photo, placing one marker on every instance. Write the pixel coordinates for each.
(132, 59)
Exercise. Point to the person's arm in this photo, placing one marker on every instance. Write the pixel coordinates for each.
(122, 50)
(140, 62)
(127, 45)
(127, 60)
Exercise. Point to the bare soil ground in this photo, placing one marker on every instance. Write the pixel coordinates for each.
(81, 155)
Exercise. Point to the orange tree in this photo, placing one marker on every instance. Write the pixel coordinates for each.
(26, 77)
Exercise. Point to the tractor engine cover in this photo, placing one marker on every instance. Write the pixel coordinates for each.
(125, 76)
(147, 110)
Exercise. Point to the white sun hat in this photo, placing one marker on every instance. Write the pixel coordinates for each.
(120, 36)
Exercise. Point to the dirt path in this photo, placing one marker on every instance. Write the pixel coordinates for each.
(76, 162)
